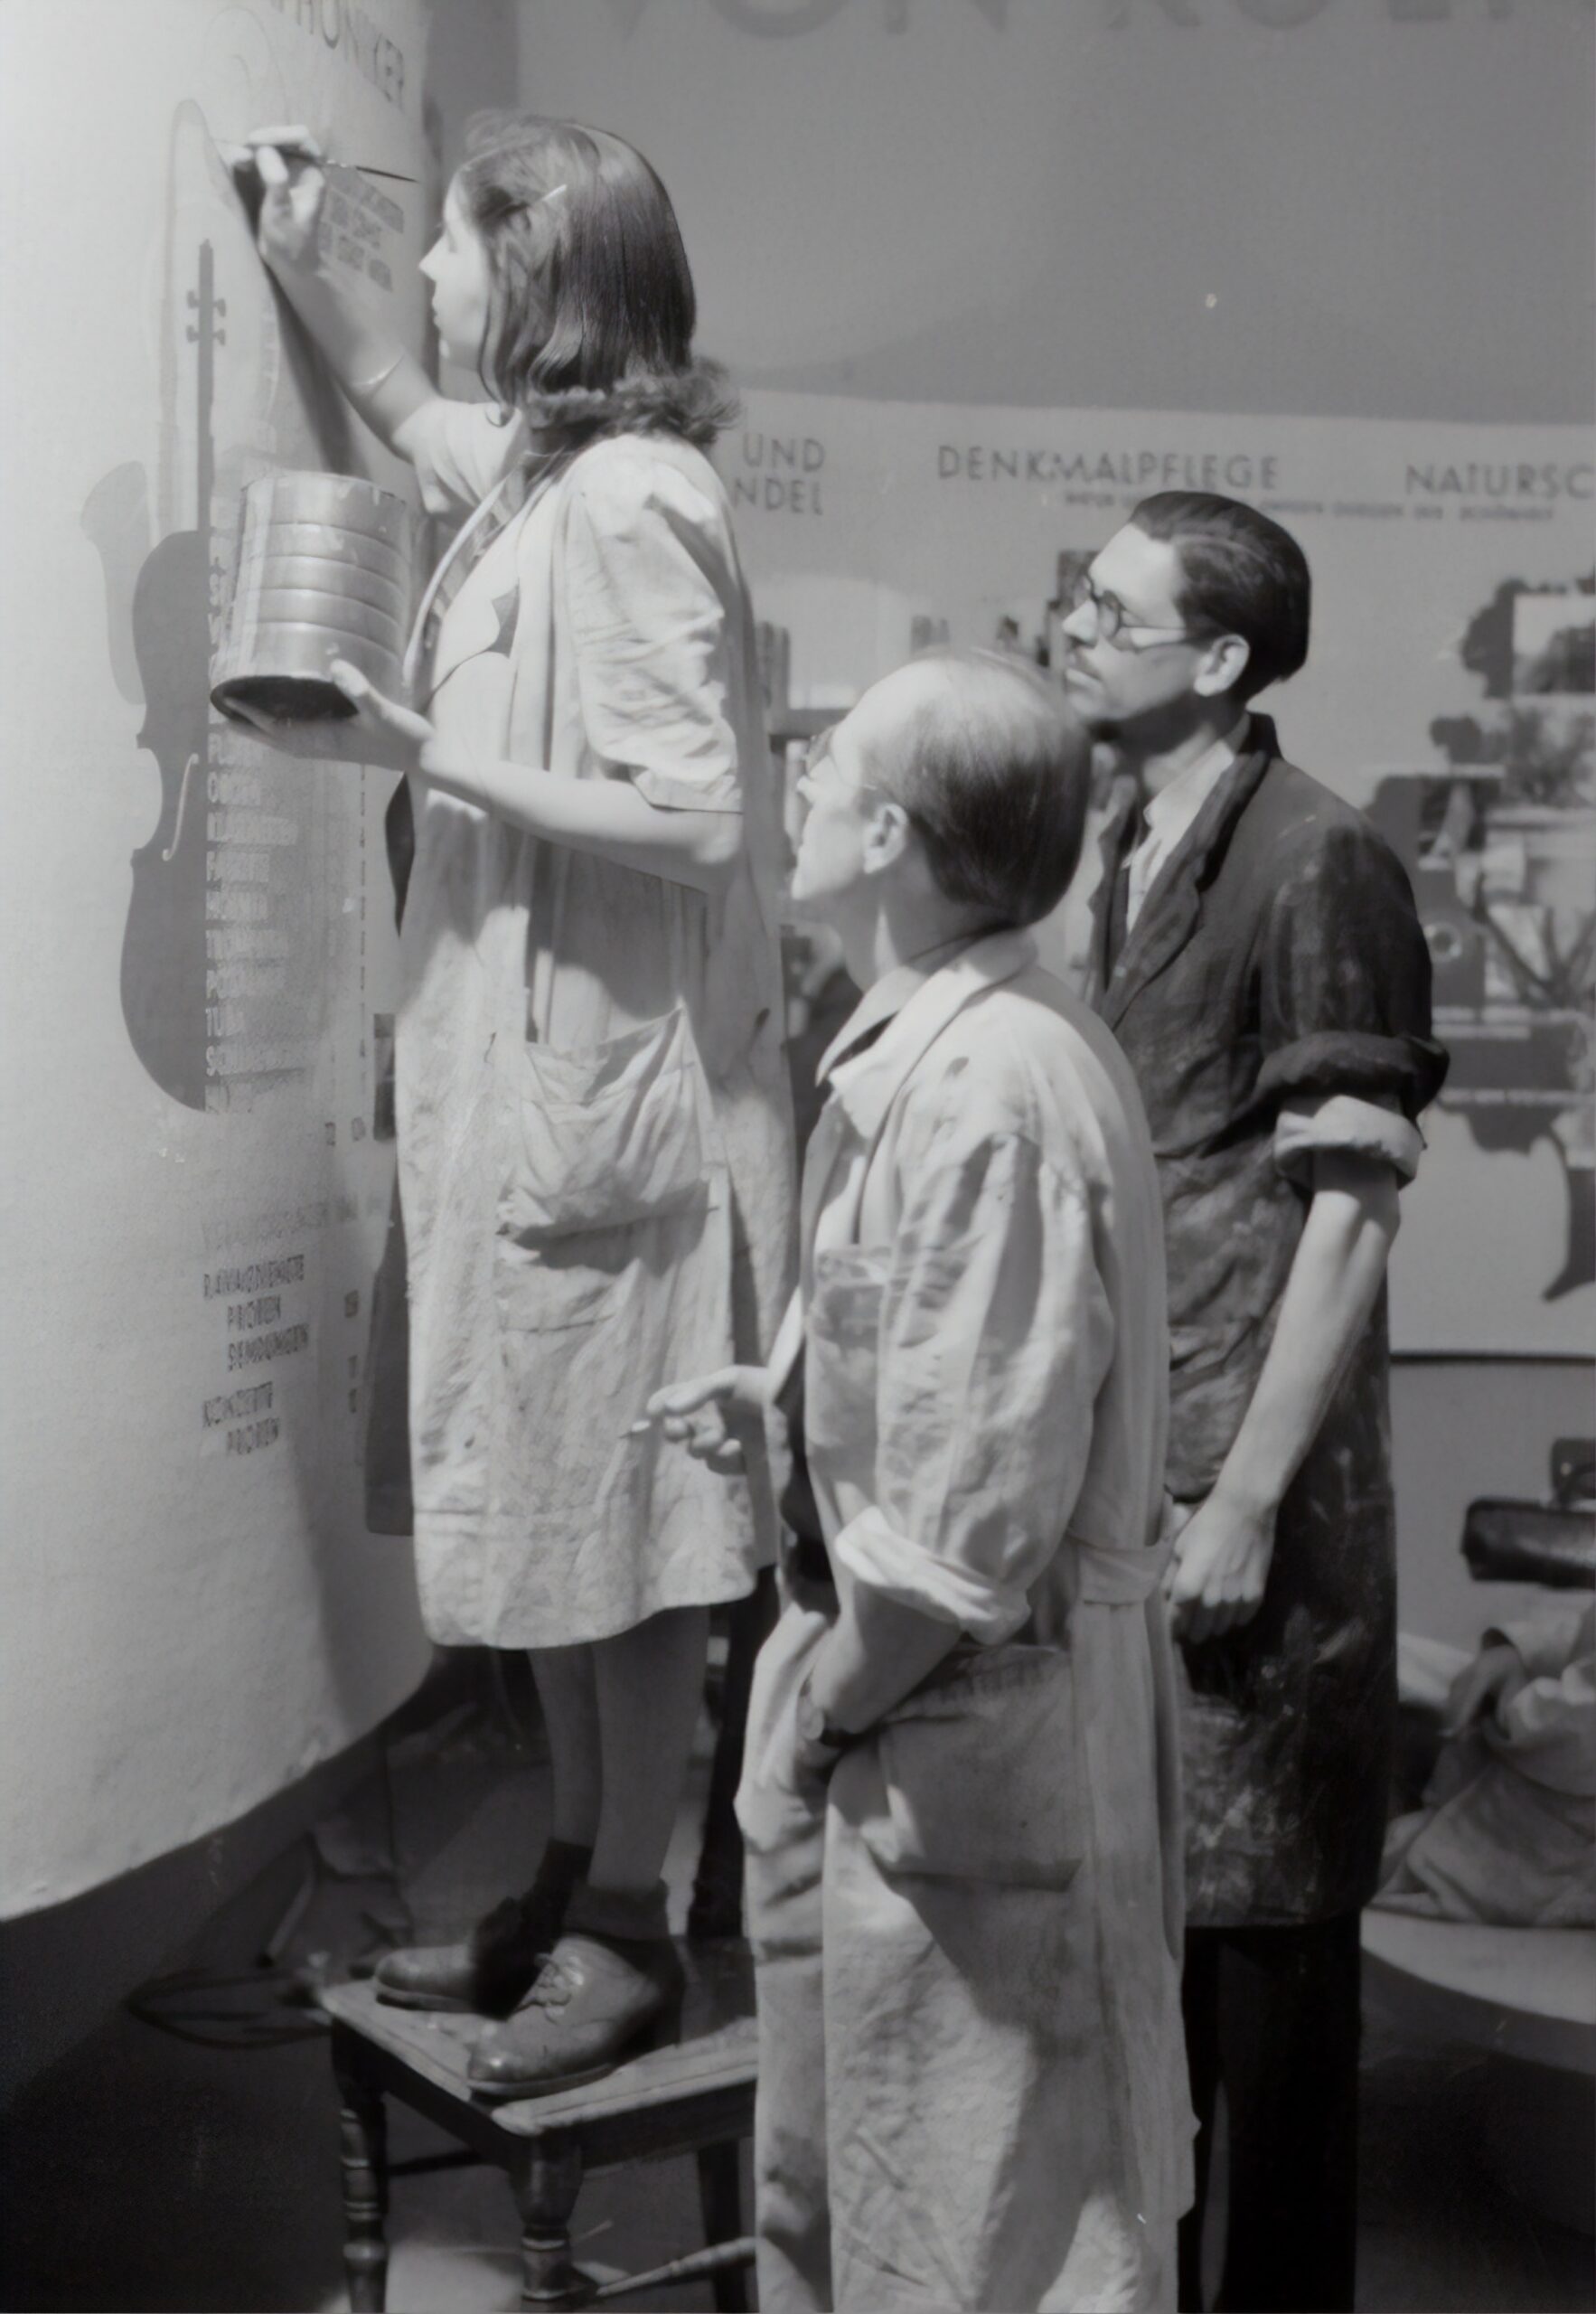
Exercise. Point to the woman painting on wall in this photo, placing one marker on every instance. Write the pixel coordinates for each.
(594, 1137)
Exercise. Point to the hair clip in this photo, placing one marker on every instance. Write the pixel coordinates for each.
(553, 194)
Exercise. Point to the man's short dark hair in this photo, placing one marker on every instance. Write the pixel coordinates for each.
(1240, 574)
(994, 771)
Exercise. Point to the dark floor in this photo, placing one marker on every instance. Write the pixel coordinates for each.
(145, 2171)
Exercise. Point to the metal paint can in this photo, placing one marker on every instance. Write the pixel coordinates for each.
(324, 573)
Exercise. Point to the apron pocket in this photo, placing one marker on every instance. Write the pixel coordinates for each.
(982, 1774)
(572, 1281)
(606, 1136)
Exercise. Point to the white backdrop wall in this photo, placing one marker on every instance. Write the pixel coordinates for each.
(195, 1191)
(1337, 208)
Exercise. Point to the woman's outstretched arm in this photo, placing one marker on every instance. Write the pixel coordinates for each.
(384, 381)
(607, 817)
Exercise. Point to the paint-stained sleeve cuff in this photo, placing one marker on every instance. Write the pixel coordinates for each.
(1349, 1125)
(902, 1570)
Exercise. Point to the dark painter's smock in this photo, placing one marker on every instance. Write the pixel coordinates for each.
(1273, 999)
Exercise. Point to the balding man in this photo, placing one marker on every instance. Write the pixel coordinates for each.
(961, 1820)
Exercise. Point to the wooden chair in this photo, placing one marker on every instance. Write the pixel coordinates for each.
(696, 2098)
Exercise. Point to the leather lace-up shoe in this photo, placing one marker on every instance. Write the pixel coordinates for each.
(599, 1999)
(493, 1968)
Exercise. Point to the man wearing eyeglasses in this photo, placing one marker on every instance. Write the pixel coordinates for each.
(1258, 956)
(959, 1796)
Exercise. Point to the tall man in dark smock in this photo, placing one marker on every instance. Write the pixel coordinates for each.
(1258, 956)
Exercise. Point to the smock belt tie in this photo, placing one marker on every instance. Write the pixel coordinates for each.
(1106, 1577)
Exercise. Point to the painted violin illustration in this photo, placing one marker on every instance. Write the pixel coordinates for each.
(220, 989)
(168, 643)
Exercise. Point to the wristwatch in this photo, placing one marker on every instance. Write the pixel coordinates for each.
(814, 1727)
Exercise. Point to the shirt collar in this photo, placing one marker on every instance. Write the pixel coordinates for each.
(908, 1009)
(1184, 797)
(884, 999)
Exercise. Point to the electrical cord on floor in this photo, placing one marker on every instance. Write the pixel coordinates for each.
(279, 2003)
(274, 2015)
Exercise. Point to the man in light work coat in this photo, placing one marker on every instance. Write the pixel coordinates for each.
(961, 1825)
(1258, 956)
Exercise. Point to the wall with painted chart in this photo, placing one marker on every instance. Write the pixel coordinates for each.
(200, 954)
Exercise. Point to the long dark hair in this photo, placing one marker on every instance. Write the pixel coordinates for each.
(591, 326)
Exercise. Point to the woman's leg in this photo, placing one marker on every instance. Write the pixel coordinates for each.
(568, 1696)
(492, 1967)
(649, 1683)
(614, 1977)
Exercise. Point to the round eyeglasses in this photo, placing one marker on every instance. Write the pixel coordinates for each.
(1108, 623)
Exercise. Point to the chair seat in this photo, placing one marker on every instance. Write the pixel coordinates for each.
(697, 2098)
(716, 2050)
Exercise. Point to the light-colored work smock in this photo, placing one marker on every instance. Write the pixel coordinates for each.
(972, 2085)
(594, 1126)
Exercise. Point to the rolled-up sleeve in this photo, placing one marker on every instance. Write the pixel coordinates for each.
(649, 623)
(1348, 1061)
(996, 1333)
(459, 450)
(1317, 1124)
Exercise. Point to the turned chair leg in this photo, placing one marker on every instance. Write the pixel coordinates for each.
(721, 2197)
(364, 2132)
(545, 2181)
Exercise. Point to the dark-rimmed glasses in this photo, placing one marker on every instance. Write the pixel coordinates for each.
(1108, 623)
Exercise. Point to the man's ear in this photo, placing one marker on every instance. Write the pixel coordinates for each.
(887, 837)
(1223, 665)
